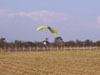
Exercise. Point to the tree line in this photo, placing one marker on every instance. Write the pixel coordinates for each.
(58, 42)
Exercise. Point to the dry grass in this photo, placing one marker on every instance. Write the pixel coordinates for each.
(50, 63)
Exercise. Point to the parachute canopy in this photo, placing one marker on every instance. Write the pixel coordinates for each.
(53, 31)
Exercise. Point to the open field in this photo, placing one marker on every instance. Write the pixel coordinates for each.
(70, 62)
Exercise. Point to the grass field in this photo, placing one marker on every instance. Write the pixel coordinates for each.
(78, 62)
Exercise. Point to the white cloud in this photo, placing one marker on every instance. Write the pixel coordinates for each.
(6, 13)
(6, 16)
(43, 16)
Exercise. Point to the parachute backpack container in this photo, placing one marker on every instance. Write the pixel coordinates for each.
(52, 30)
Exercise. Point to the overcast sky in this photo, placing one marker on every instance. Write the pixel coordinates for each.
(73, 19)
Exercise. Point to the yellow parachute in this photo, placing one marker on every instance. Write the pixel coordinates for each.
(53, 31)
